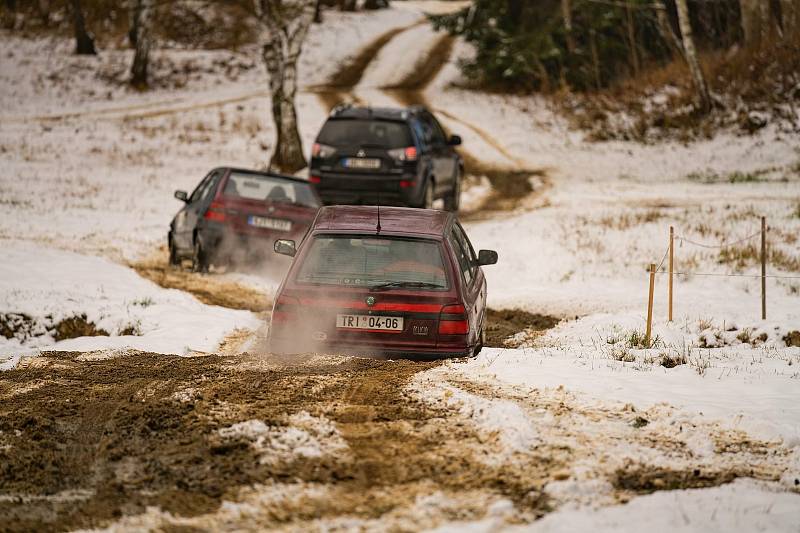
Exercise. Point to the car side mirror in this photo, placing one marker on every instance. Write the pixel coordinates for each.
(487, 257)
(454, 140)
(182, 196)
(285, 247)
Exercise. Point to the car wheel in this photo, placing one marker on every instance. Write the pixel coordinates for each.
(427, 196)
(174, 260)
(453, 202)
(199, 259)
(481, 342)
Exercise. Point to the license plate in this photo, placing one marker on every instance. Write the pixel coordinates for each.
(270, 223)
(370, 164)
(382, 323)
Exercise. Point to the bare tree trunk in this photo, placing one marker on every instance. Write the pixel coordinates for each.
(318, 12)
(595, 58)
(347, 5)
(84, 42)
(666, 31)
(142, 18)
(632, 39)
(790, 18)
(10, 14)
(699, 80)
(758, 24)
(566, 12)
(286, 24)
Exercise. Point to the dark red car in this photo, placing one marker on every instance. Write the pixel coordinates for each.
(236, 214)
(392, 281)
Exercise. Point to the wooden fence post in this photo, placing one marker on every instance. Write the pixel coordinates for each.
(763, 268)
(650, 306)
(671, 266)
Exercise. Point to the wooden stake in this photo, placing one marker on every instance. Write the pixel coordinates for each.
(763, 268)
(671, 266)
(650, 305)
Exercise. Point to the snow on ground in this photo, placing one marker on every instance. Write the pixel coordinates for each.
(304, 436)
(101, 184)
(48, 286)
(743, 505)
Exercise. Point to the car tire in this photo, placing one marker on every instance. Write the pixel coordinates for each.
(481, 342)
(199, 257)
(453, 201)
(174, 259)
(427, 195)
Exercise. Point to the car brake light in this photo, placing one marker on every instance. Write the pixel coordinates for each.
(453, 320)
(284, 308)
(215, 212)
(315, 179)
(322, 150)
(404, 154)
(405, 184)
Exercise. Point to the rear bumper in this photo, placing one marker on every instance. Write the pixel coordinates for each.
(221, 241)
(360, 189)
(426, 353)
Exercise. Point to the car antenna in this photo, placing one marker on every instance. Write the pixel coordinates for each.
(378, 227)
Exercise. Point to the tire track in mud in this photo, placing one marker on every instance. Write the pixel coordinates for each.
(634, 452)
(97, 439)
(511, 186)
(205, 287)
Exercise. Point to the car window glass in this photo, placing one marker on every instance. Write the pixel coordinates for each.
(462, 235)
(365, 132)
(273, 189)
(369, 261)
(462, 256)
(211, 186)
(438, 133)
(419, 132)
(200, 189)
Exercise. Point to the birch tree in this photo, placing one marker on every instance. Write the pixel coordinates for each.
(284, 25)
(690, 52)
(142, 41)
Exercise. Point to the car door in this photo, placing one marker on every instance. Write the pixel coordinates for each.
(475, 282)
(444, 163)
(187, 219)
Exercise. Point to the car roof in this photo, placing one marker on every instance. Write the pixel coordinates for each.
(264, 173)
(394, 220)
(385, 113)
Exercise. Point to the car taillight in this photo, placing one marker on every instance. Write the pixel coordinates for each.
(453, 320)
(285, 308)
(405, 184)
(403, 154)
(315, 179)
(215, 212)
(322, 150)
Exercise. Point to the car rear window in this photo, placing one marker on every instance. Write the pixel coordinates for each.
(370, 261)
(258, 187)
(365, 132)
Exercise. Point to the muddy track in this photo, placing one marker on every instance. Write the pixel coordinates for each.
(205, 287)
(338, 88)
(85, 442)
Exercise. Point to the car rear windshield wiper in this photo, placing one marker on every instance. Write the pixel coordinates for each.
(405, 284)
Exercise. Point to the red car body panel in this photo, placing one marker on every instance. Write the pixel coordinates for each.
(304, 314)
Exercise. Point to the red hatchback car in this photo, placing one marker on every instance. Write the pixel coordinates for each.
(389, 281)
(236, 214)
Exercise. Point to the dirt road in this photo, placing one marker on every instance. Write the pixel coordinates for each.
(86, 440)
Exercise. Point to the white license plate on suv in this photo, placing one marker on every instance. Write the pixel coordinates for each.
(382, 323)
(370, 164)
(270, 223)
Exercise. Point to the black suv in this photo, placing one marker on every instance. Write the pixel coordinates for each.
(386, 156)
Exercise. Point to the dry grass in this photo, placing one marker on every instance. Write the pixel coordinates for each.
(751, 91)
(742, 257)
